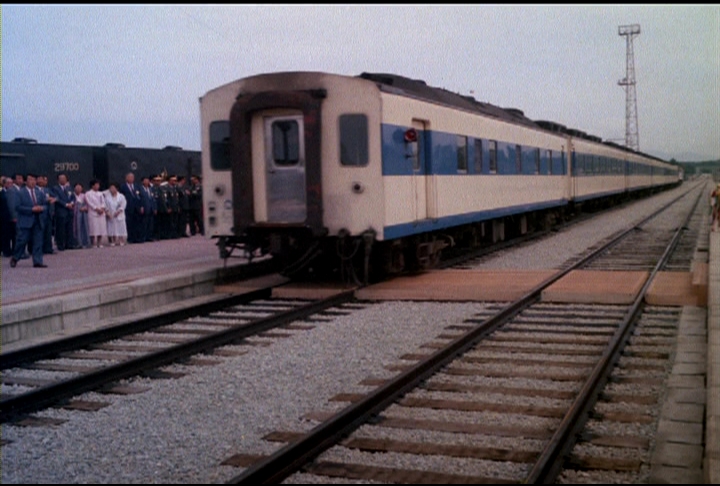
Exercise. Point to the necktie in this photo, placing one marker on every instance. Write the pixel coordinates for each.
(32, 195)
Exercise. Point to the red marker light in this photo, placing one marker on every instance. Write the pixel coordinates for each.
(411, 135)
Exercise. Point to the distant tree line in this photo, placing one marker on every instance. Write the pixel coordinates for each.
(706, 167)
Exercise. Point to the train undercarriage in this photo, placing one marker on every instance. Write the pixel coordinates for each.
(362, 259)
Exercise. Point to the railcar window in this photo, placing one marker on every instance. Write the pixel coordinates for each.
(537, 161)
(493, 156)
(518, 159)
(478, 156)
(220, 145)
(286, 142)
(550, 162)
(462, 155)
(354, 140)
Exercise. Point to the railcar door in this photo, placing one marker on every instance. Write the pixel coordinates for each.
(423, 184)
(418, 179)
(285, 165)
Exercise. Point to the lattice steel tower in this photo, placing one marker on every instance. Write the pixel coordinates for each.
(632, 133)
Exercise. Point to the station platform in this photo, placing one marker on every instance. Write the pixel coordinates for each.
(88, 288)
(711, 464)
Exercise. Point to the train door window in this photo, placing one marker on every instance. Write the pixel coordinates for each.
(478, 156)
(492, 148)
(518, 159)
(562, 162)
(286, 143)
(354, 140)
(220, 145)
(537, 160)
(462, 154)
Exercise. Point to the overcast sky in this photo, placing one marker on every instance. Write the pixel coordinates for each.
(89, 75)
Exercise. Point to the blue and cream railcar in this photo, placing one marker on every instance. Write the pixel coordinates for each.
(306, 164)
(371, 159)
(598, 170)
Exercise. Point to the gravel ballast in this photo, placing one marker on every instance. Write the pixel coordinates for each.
(181, 430)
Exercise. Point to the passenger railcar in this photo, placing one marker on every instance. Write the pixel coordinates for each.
(382, 172)
(108, 163)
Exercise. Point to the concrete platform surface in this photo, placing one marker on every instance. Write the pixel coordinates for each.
(458, 285)
(73, 270)
(82, 289)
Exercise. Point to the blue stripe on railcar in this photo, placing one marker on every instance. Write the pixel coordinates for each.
(395, 160)
(441, 153)
(598, 195)
(423, 226)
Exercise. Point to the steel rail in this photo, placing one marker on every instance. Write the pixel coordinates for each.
(54, 348)
(290, 458)
(38, 399)
(549, 465)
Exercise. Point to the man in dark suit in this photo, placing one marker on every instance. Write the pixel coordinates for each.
(30, 205)
(18, 182)
(6, 227)
(64, 213)
(48, 214)
(134, 210)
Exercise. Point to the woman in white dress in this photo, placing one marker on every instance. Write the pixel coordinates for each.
(97, 226)
(115, 203)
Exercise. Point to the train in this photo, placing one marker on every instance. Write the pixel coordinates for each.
(365, 176)
(106, 163)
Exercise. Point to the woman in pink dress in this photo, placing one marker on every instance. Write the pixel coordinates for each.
(97, 224)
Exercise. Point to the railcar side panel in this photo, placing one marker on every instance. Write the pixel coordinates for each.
(471, 168)
(215, 142)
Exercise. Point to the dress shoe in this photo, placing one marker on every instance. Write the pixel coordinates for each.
(39, 265)
(13, 262)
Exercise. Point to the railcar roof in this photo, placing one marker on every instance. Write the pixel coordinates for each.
(392, 83)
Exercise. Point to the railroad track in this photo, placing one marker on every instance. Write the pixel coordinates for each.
(577, 346)
(54, 373)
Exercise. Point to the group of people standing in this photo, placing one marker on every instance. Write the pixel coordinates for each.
(32, 213)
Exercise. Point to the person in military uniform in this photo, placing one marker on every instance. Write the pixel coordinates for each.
(162, 212)
(196, 218)
(173, 199)
(150, 210)
(184, 202)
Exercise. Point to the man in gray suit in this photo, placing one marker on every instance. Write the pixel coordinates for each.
(30, 206)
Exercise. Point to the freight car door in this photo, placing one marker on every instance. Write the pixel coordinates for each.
(285, 164)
